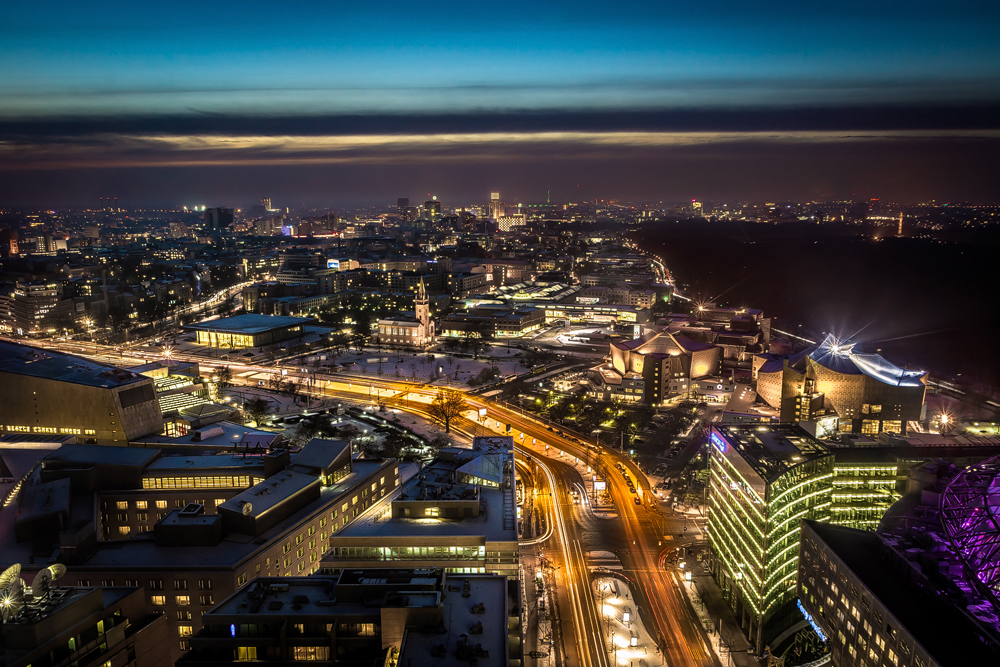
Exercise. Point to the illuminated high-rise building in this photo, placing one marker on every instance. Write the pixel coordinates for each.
(432, 209)
(763, 481)
(497, 209)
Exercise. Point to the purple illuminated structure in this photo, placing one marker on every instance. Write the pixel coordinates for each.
(970, 514)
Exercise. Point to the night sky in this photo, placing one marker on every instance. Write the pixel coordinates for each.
(313, 103)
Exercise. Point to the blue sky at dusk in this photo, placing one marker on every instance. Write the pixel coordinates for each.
(90, 88)
(186, 57)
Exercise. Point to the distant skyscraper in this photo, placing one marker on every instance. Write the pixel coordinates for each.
(218, 218)
(497, 208)
(402, 204)
(432, 209)
(266, 203)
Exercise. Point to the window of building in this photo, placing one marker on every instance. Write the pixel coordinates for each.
(206, 600)
(180, 584)
(158, 600)
(122, 504)
(185, 645)
(892, 425)
(431, 511)
(183, 616)
(869, 426)
(156, 584)
(246, 653)
(204, 584)
(242, 579)
(185, 630)
(141, 504)
(142, 516)
(107, 582)
(299, 538)
(122, 517)
(124, 530)
(298, 554)
(161, 504)
(179, 503)
(182, 600)
(322, 522)
(311, 652)
(286, 548)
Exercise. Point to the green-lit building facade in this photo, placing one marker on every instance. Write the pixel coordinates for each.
(763, 481)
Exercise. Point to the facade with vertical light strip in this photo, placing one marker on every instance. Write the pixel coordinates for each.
(763, 480)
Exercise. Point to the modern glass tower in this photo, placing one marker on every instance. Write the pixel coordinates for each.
(763, 481)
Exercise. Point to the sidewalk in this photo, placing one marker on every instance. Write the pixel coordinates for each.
(709, 605)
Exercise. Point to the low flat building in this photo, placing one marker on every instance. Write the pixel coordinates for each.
(365, 617)
(188, 529)
(47, 392)
(458, 513)
(84, 627)
(248, 330)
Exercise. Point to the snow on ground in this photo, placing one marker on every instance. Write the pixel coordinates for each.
(418, 367)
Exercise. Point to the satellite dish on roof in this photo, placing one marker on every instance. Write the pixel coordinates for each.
(247, 509)
(12, 599)
(42, 582)
(57, 570)
(10, 575)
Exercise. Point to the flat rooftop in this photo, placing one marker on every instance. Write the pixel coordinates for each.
(440, 475)
(51, 365)
(772, 450)
(487, 590)
(233, 549)
(248, 324)
(940, 627)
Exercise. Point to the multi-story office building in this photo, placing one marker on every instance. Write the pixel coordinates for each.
(877, 608)
(763, 480)
(60, 626)
(366, 617)
(866, 392)
(44, 391)
(188, 529)
(37, 308)
(459, 514)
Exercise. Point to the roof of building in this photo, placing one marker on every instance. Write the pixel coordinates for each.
(943, 629)
(248, 323)
(847, 359)
(51, 365)
(488, 590)
(771, 450)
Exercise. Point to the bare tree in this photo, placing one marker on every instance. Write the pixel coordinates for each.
(447, 405)
(257, 409)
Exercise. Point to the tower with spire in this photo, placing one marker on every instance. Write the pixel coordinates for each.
(422, 306)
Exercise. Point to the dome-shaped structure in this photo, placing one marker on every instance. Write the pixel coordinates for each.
(970, 514)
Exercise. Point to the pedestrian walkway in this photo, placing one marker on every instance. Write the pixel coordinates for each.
(717, 618)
